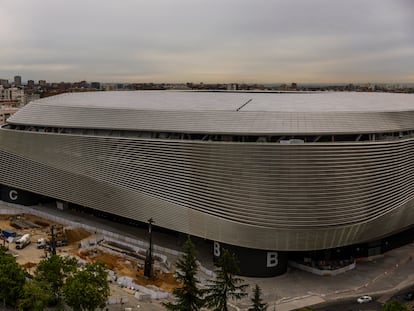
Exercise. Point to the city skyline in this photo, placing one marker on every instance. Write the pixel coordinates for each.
(185, 41)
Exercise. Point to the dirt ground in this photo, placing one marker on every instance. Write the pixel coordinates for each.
(125, 266)
(30, 256)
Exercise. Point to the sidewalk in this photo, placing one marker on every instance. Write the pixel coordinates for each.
(382, 277)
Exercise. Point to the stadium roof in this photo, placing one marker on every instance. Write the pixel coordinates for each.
(235, 113)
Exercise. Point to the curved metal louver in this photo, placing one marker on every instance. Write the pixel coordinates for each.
(267, 196)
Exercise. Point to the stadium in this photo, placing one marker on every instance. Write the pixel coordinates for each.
(272, 176)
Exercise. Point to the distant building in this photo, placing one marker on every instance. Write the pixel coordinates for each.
(17, 81)
(42, 83)
(5, 112)
(96, 85)
(30, 97)
(7, 105)
(109, 87)
(11, 94)
(232, 86)
(30, 83)
(4, 82)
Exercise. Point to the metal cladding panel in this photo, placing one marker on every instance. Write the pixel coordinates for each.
(223, 122)
(256, 195)
(188, 112)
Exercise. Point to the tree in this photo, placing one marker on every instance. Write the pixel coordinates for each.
(188, 295)
(225, 286)
(53, 272)
(36, 295)
(87, 288)
(12, 279)
(393, 305)
(258, 305)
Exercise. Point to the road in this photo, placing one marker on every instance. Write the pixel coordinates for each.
(349, 305)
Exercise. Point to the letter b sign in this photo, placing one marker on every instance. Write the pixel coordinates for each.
(216, 249)
(272, 260)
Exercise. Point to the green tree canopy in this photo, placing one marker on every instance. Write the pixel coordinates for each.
(188, 295)
(36, 295)
(257, 304)
(393, 305)
(53, 272)
(12, 279)
(225, 286)
(88, 288)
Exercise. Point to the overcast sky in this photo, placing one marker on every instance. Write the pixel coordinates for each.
(208, 40)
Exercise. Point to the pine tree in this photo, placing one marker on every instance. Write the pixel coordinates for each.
(258, 305)
(188, 295)
(225, 286)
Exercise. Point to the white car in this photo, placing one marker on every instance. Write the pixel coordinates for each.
(364, 299)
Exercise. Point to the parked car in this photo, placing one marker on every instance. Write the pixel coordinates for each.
(364, 299)
(409, 296)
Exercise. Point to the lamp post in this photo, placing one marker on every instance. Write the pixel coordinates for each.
(148, 257)
(53, 241)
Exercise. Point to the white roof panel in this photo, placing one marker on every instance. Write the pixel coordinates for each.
(217, 112)
(260, 101)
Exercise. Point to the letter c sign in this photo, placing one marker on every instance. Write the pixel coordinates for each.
(13, 195)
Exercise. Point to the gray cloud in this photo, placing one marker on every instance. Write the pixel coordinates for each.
(210, 41)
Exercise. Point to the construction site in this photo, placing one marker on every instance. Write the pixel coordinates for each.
(31, 238)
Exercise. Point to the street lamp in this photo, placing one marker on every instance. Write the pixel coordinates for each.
(53, 241)
(148, 257)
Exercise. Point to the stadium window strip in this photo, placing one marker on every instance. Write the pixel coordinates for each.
(294, 139)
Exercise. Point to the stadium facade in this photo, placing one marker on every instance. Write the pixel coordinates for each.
(267, 175)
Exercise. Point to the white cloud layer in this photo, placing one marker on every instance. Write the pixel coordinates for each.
(208, 40)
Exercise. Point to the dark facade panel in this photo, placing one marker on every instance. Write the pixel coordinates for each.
(254, 262)
(17, 196)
